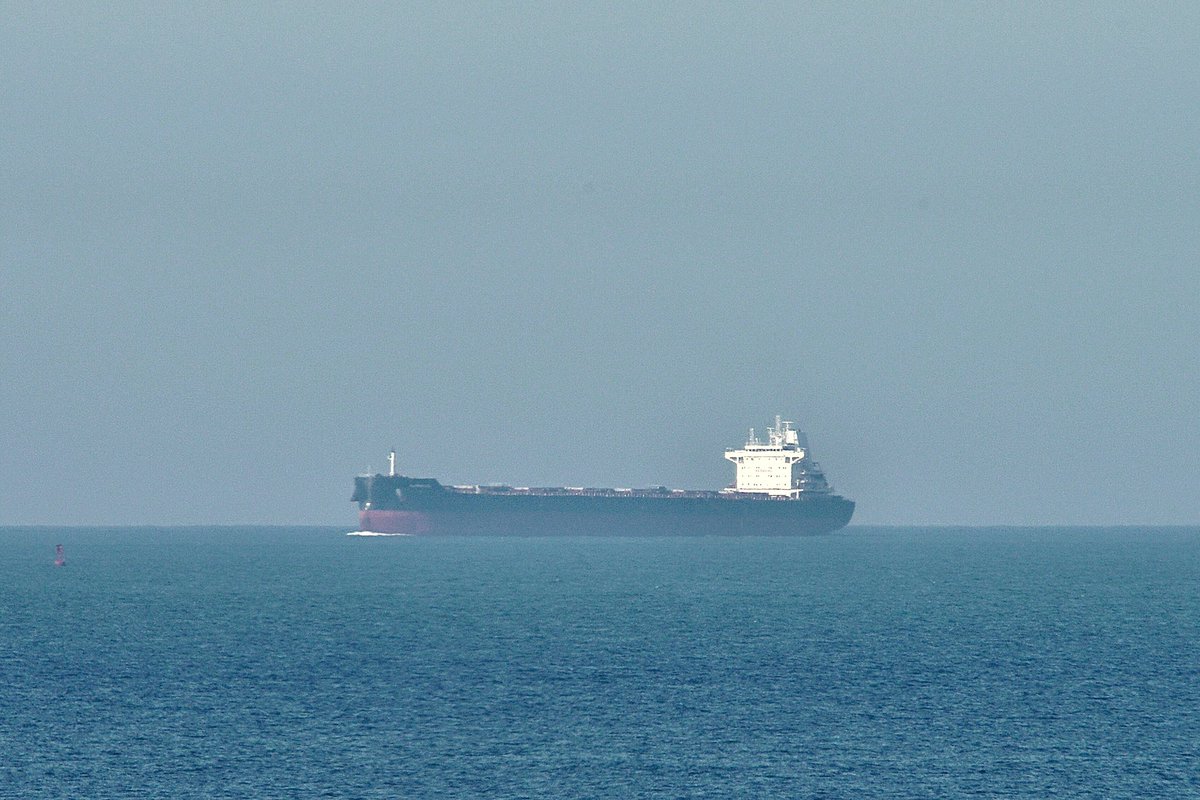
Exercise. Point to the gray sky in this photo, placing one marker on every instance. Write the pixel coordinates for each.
(245, 250)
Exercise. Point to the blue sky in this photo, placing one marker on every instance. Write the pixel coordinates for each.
(246, 249)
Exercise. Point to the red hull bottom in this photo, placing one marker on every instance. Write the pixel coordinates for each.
(589, 523)
(395, 522)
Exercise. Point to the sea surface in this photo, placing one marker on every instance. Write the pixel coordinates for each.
(875, 662)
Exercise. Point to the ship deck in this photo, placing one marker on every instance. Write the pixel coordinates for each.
(582, 491)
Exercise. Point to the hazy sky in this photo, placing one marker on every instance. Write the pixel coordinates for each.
(244, 250)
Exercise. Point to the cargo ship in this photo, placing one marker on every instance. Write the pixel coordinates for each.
(778, 490)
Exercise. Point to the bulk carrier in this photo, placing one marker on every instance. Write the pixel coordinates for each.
(778, 490)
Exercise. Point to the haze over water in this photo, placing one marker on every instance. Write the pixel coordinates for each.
(879, 662)
(246, 249)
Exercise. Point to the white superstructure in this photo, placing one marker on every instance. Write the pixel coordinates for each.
(779, 467)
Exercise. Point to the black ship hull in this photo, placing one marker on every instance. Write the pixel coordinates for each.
(394, 504)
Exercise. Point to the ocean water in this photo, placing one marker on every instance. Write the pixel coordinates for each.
(876, 662)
